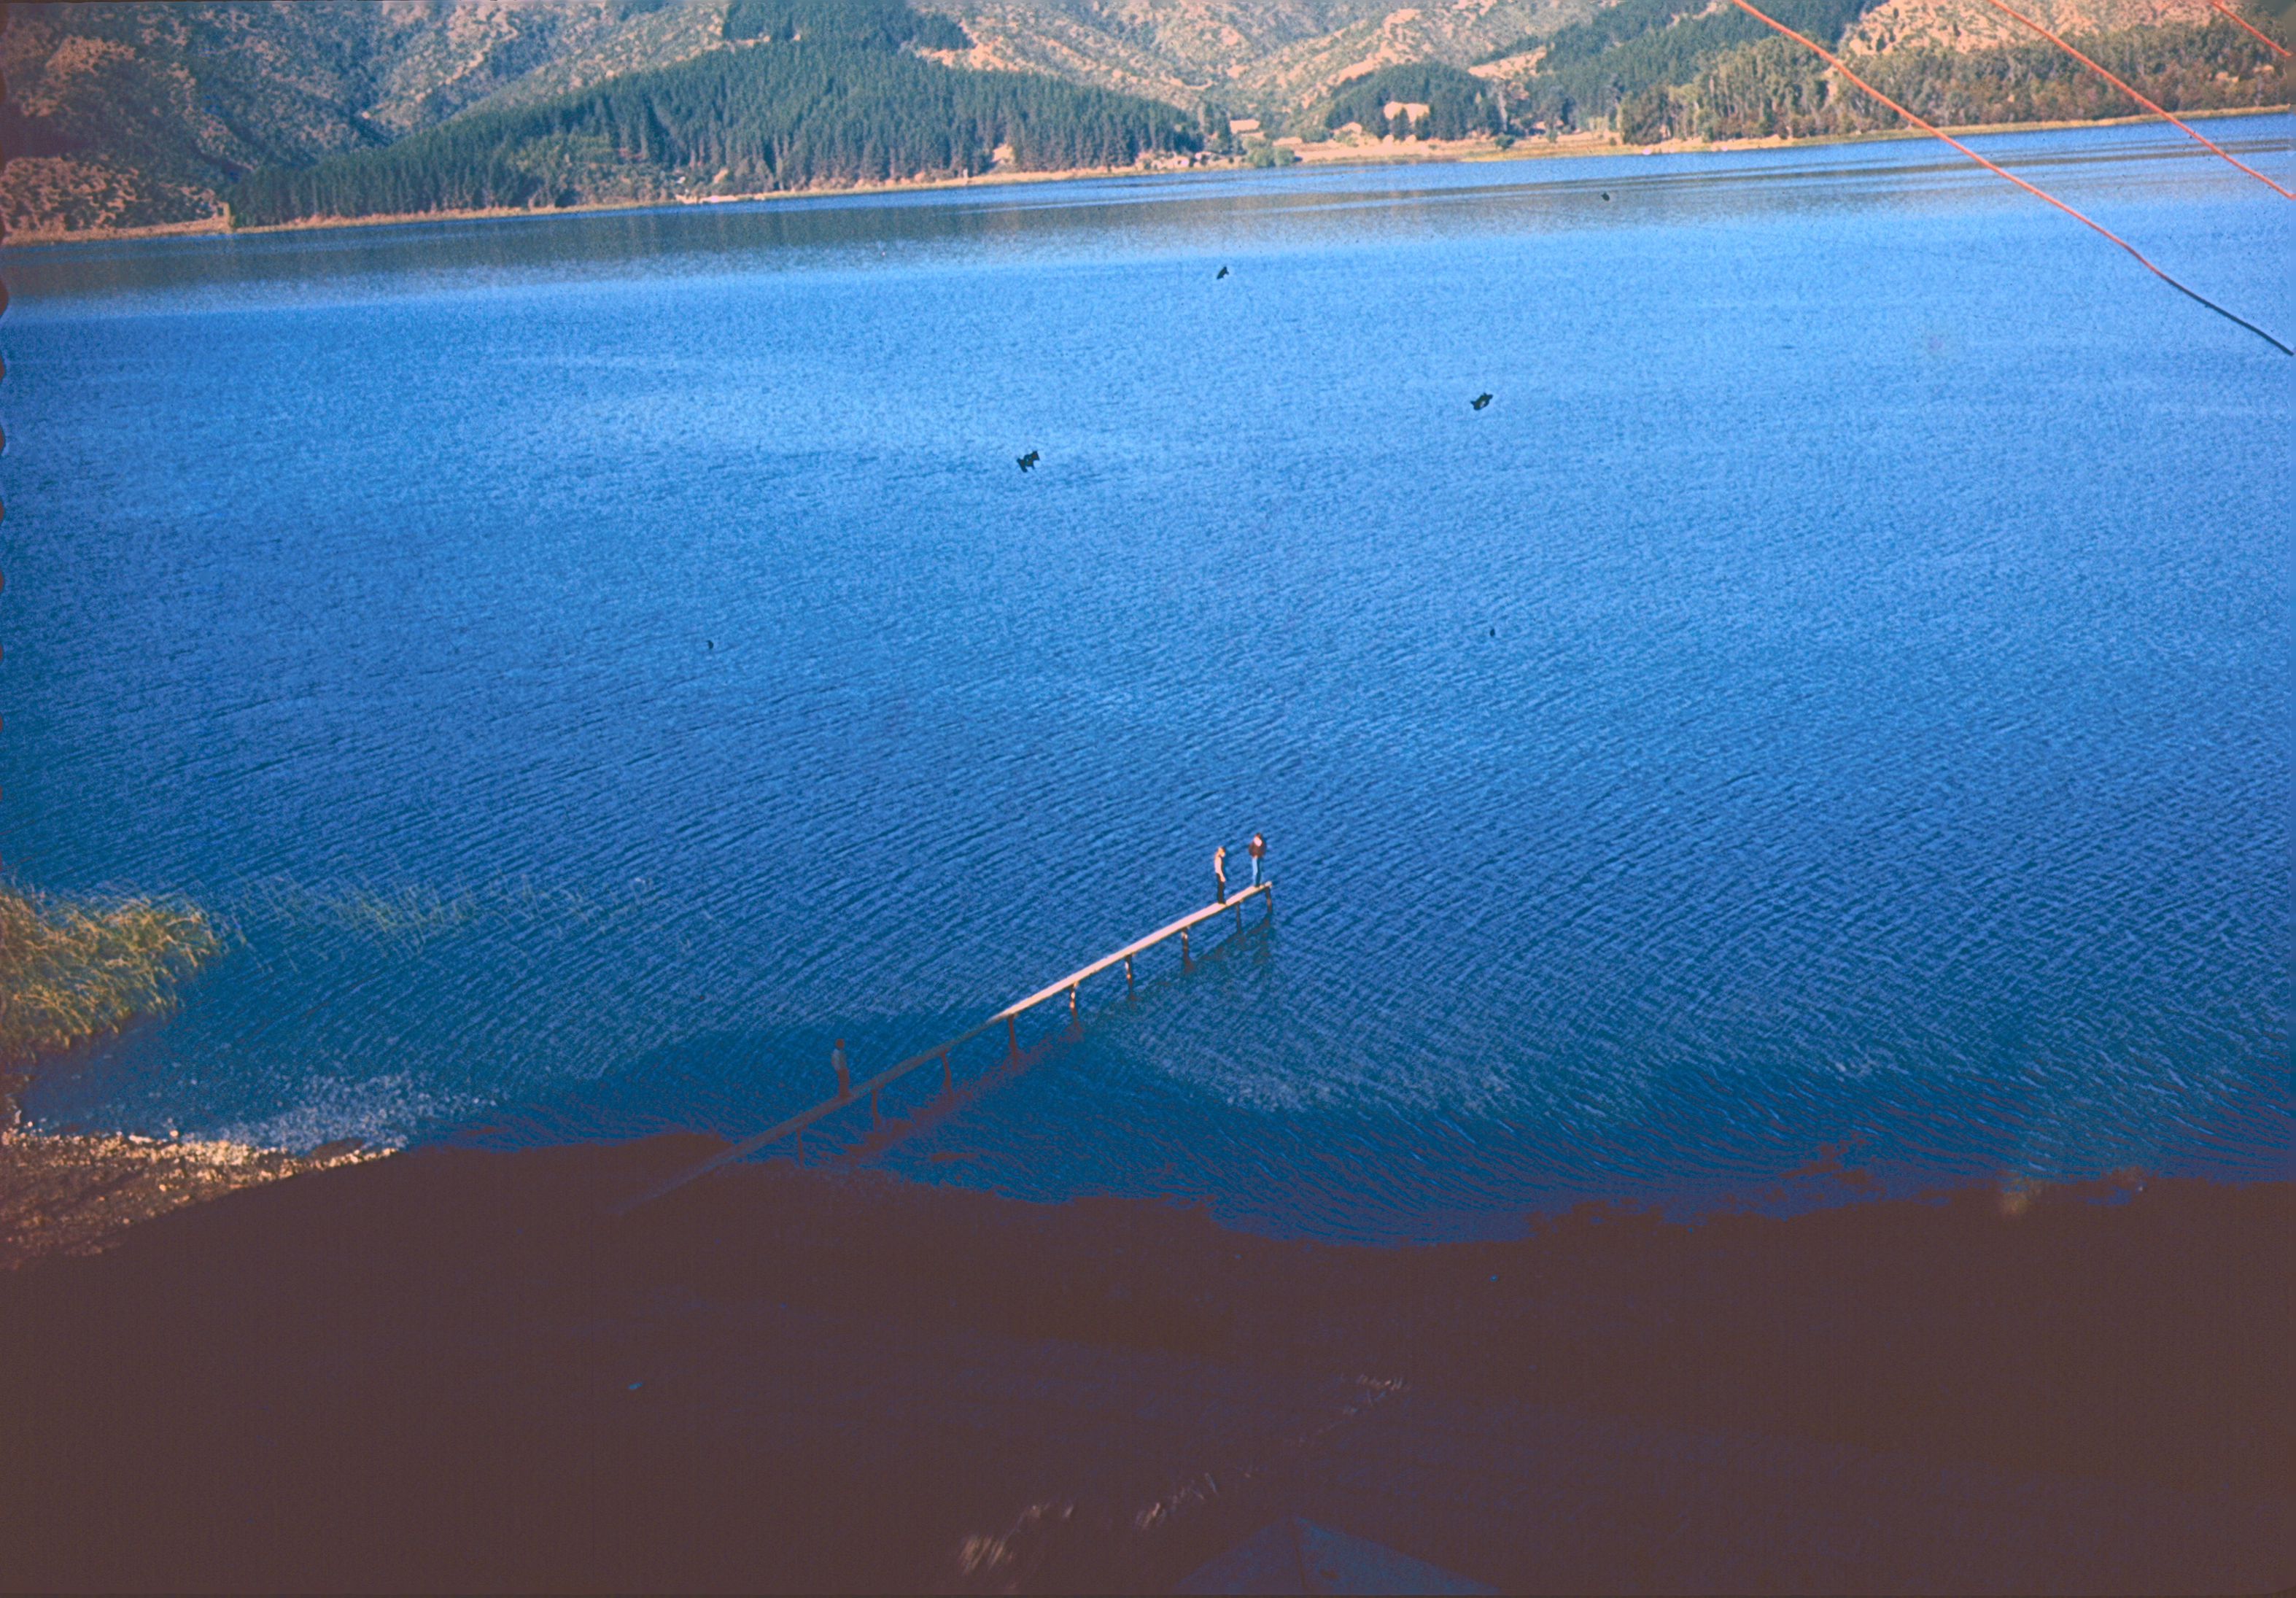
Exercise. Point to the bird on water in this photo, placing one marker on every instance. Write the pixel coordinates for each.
(1220, 273)
(1479, 401)
(1028, 462)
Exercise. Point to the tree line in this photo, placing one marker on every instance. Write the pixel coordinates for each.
(863, 24)
(1776, 88)
(1590, 68)
(1681, 68)
(806, 106)
(1458, 103)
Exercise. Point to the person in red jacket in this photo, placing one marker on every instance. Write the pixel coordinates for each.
(1257, 851)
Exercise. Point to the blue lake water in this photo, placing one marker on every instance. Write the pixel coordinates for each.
(1836, 694)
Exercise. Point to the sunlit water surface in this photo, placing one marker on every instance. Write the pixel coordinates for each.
(1836, 693)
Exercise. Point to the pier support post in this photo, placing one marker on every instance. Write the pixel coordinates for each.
(794, 1128)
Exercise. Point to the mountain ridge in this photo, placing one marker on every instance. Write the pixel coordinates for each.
(124, 117)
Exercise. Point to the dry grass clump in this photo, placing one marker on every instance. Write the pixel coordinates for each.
(70, 971)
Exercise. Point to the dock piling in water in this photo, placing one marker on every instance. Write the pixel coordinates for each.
(1010, 1015)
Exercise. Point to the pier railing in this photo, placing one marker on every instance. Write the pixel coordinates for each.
(1009, 1018)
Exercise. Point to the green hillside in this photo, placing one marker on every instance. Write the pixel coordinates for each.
(139, 115)
(1680, 69)
(826, 95)
(1777, 87)
(1635, 46)
(1458, 103)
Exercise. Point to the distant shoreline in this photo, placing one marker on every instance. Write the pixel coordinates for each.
(1413, 153)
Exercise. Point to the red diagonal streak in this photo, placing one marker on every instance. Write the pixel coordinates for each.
(2263, 38)
(1836, 62)
(2127, 89)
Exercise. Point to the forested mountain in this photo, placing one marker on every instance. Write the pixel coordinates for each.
(1587, 69)
(141, 114)
(819, 93)
(1776, 88)
(879, 25)
(1458, 103)
(1656, 69)
(1273, 59)
(134, 114)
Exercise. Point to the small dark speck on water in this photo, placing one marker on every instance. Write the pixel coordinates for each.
(1850, 751)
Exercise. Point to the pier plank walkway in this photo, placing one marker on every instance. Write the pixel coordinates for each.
(1009, 1018)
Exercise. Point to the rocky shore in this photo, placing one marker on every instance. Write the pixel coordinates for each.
(77, 1195)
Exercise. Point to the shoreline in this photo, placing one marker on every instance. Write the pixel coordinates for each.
(1431, 154)
(76, 1194)
(830, 1379)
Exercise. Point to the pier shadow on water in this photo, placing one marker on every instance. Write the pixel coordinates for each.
(731, 1083)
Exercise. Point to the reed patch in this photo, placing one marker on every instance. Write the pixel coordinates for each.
(71, 970)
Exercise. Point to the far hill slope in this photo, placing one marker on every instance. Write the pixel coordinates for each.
(142, 115)
(814, 94)
(1656, 70)
(1974, 25)
(138, 115)
(1267, 58)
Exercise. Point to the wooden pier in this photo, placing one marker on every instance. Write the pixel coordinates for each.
(1009, 1018)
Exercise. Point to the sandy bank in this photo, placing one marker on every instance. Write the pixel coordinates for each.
(79, 1195)
(454, 1370)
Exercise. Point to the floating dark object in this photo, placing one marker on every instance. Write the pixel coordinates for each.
(1606, 193)
(1028, 462)
(1220, 273)
(1479, 401)
(713, 643)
